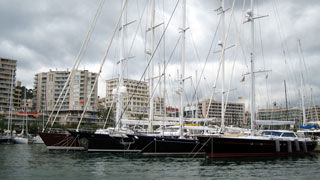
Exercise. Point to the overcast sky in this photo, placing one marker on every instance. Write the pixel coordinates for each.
(43, 35)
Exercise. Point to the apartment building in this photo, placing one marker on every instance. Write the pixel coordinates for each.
(49, 85)
(135, 101)
(313, 113)
(234, 115)
(291, 114)
(17, 96)
(7, 82)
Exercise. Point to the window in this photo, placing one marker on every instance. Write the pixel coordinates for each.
(288, 134)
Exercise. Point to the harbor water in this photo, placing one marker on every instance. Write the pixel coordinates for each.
(19, 161)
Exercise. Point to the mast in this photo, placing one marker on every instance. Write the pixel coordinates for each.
(304, 118)
(285, 91)
(301, 88)
(315, 107)
(25, 114)
(222, 44)
(25, 107)
(151, 69)
(164, 89)
(252, 98)
(196, 111)
(10, 103)
(120, 87)
(160, 93)
(182, 66)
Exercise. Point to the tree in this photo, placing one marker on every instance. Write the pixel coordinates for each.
(2, 122)
(104, 114)
(29, 92)
(33, 128)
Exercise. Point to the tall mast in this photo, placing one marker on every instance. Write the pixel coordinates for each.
(285, 91)
(304, 118)
(222, 44)
(151, 68)
(160, 91)
(164, 89)
(24, 113)
(120, 87)
(315, 107)
(196, 111)
(10, 102)
(182, 66)
(252, 98)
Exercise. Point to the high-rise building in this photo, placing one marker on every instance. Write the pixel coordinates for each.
(234, 114)
(136, 100)
(7, 82)
(276, 113)
(49, 85)
(313, 113)
(294, 114)
(17, 96)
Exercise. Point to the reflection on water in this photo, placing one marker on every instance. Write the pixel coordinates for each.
(35, 162)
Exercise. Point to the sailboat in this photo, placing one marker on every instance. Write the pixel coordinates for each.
(22, 138)
(8, 135)
(172, 145)
(266, 143)
(63, 140)
(112, 139)
(120, 139)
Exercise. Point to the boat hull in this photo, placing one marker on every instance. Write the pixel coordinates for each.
(5, 140)
(140, 144)
(105, 142)
(20, 140)
(167, 146)
(61, 141)
(224, 147)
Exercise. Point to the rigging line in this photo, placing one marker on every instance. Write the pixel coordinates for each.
(165, 68)
(197, 55)
(79, 58)
(144, 34)
(195, 49)
(314, 106)
(284, 46)
(241, 45)
(173, 86)
(221, 57)
(103, 61)
(194, 88)
(153, 53)
(283, 32)
(235, 55)
(164, 62)
(109, 112)
(110, 108)
(284, 42)
(133, 40)
(304, 62)
(206, 61)
(263, 58)
(114, 61)
(75, 65)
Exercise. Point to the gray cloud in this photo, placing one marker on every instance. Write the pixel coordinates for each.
(45, 35)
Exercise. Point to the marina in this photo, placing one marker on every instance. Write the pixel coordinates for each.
(161, 90)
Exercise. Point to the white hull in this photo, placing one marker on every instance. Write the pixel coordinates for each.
(20, 140)
(37, 140)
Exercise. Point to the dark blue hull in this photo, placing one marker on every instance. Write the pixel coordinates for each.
(225, 147)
